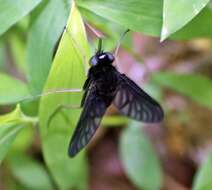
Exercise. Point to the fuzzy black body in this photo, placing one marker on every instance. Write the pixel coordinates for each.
(105, 81)
(103, 87)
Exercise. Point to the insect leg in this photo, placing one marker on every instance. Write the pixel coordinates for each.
(48, 93)
(60, 108)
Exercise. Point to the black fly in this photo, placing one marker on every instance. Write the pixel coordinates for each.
(104, 86)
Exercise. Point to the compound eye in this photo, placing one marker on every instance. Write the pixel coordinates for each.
(93, 61)
(110, 57)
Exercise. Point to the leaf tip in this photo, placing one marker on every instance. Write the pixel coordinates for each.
(164, 33)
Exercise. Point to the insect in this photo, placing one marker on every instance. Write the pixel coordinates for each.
(104, 86)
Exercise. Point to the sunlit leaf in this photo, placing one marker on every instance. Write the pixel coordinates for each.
(12, 117)
(43, 35)
(173, 21)
(11, 89)
(30, 173)
(139, 15)
(67, 72)
(139, 159)
(9, 128)
(203, 177)
(10, 125)
(195, 86)
(12, 11)
(210, 5)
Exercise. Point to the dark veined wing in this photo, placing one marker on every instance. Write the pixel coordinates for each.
(94, 108)
(133, 102)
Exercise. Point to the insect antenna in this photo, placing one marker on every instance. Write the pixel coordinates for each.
(119, 42)
(99, 50)
(98, 34)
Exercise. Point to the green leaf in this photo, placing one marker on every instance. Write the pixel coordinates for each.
(8, 133)
(197, 27)
(210, 5)
(146, 16)
(10, 125)
(43, 35)
(30, 173)
(2, 55)
(9, 128)
(173, 21)
(195, 86)
(139, 15)
(12, 11)
(11, 184)
(18, 46)
(139, 159)
(112, 31)
(12, 117)
(203, 177)
(24, 140)
(101, 23)
(67, 72)
(114, 121)
(11, 90)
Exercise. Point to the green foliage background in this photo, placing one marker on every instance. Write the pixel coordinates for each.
(32, 29)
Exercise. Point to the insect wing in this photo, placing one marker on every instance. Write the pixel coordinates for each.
(93, 111)
(133, 102)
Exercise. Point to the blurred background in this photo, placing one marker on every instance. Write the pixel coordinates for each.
(172, 155)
